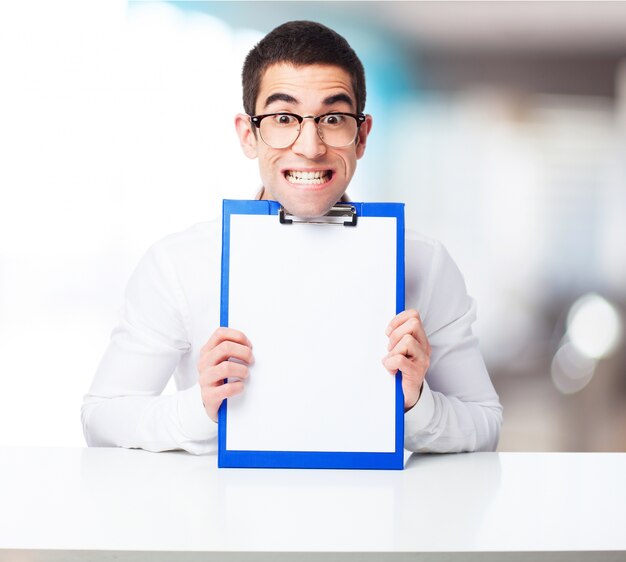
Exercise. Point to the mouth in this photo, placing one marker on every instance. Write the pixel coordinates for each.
(301, 177)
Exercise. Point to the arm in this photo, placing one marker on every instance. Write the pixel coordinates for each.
(123, 407)
(458, 408)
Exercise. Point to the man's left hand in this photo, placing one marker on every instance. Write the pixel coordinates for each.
(409, 352)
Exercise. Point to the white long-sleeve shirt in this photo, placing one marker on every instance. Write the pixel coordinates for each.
(172, 306)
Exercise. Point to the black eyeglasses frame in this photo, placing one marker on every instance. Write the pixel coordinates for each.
(358, 117)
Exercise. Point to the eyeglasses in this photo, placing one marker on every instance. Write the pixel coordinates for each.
(281, 130)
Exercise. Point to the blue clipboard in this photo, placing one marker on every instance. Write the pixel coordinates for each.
(233, 455)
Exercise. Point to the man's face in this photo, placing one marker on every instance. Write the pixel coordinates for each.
(305, 90)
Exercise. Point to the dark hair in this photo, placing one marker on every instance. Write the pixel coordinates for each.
(300, 43)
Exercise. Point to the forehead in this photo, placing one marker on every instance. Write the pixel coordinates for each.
(308, 84)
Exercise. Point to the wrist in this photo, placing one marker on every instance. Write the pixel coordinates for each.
(419, 394)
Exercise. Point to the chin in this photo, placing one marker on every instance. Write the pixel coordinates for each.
(306, 202)
(308, 210)
(312, 204)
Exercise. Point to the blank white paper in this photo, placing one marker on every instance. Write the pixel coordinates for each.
(315, 301)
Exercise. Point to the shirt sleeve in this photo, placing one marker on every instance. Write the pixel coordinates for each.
(124, 406)
(458, 409)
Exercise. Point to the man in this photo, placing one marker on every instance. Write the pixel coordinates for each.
(304, 97)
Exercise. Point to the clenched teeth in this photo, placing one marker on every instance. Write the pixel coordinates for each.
(308, 178)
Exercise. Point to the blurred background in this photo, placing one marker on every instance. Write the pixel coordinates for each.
(502, 126)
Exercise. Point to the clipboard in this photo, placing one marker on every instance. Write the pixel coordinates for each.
(314, 297)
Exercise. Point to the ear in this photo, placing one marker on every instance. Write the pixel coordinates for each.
(247, 137)
(361, 139)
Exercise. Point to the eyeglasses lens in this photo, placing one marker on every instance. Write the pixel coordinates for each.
(334, 130)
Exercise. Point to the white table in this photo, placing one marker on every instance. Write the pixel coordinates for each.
(128, 505)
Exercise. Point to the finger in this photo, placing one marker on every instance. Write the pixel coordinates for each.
(223, 352)
(395, 363)
(401, 318)
(226, 334)
(229, 350)
(415, 328)
(418, 364)
(213, 396)
(407, 345)
(227, 390)
(213, 376)
(412, 326)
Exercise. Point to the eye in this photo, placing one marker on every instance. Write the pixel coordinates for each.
(284, 119)
(333, 119)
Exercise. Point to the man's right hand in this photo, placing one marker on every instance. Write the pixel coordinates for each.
(214, 367)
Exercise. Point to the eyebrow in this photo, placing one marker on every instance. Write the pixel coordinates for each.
(280, 97)
(330, 100)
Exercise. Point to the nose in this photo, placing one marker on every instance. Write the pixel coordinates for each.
(309, 144)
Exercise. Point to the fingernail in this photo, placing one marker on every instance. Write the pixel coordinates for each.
(388, 330)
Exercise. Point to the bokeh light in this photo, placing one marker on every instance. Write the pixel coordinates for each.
(571, 371)
(594, 326)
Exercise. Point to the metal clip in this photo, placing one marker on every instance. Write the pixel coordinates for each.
(339, 214)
